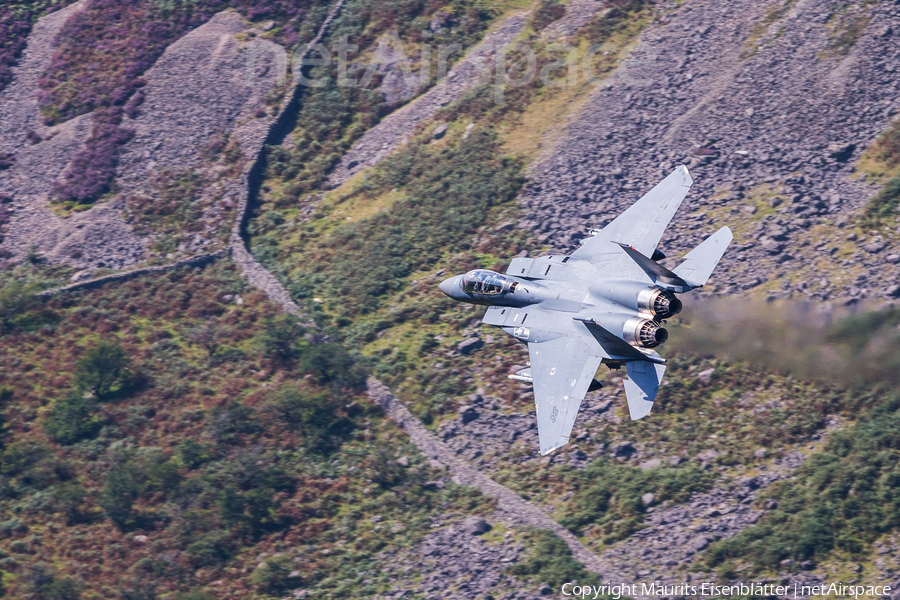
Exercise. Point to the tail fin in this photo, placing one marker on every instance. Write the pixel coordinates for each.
(700, 262)
(644, 378)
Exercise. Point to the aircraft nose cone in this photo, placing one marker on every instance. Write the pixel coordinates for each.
(447, 286)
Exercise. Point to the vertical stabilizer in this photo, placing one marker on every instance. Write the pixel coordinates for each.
(699, 263)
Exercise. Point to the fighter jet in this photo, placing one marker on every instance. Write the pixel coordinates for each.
(606, 303)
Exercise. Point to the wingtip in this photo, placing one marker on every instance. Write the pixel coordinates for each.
(688, 181)
(563, 442)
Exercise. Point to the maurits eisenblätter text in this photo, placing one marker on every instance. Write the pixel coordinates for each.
(838, 590)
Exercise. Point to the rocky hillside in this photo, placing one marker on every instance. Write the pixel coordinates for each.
(225, 370)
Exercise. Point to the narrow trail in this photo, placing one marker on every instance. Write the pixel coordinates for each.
(512, 509)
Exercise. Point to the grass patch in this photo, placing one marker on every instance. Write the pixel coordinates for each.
(607, 496)
(773, 14)
(843, 498)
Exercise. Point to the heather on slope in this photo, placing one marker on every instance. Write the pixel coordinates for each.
(186, 409)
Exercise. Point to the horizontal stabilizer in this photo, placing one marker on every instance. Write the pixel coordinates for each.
(699, 263)
(643, 381)
(614, 346)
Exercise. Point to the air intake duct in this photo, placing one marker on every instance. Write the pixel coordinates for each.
(660, 303)
(645, 333)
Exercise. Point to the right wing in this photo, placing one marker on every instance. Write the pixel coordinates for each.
(561, 372)
(640, 227)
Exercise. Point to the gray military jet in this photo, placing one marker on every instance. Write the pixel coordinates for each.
(605, 303)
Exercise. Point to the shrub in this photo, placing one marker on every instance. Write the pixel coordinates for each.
(17, 300)
(843, 498)
(331, 363)
(193, 454)
(148, 471)
(281, 337)
(71, 419)
(314, 414)
(273, 576)
(194, 595)
(227, 422)
(887, 148)
(102, 367)
(608, 495)
(551, 561)
(548, 12)
(883, 205)
(69, 499)
(44, 584)
(93, 168)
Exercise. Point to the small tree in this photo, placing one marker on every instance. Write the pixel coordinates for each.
(68, 499)
(330, 363)
(102, 367)
(192, 453)
(312, 413)
(71, 419)
(16, 299)
(281, 337)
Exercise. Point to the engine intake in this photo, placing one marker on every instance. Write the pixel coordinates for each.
(645, 333)
(662, 304)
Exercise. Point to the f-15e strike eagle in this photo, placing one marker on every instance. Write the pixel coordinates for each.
(604, 303)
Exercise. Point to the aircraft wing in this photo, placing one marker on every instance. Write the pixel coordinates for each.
(561, 371)
(640, 227)
(644, 379)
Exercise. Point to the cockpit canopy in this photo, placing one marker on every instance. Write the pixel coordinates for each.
(486, 283)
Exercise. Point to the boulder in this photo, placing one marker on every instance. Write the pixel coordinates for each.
(623, 449)
(760, 453)
(771, 246)
(476, 526)
(699, 543)
(648, 499)
(705, 374)
(470, 345)
(468, 414)
(439, 131)
(403, 461)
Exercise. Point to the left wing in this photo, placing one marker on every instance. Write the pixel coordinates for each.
(561, 371)
(640, 227)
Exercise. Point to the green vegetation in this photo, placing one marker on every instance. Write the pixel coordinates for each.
(17, 305)
(551, 562)
(216, 462)
(449, 192)
(846, 24)
(607, 495)
(547, 12)
(842, 498)
(72, 419)
(883, 205)
(333, 116)
(103, 367)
